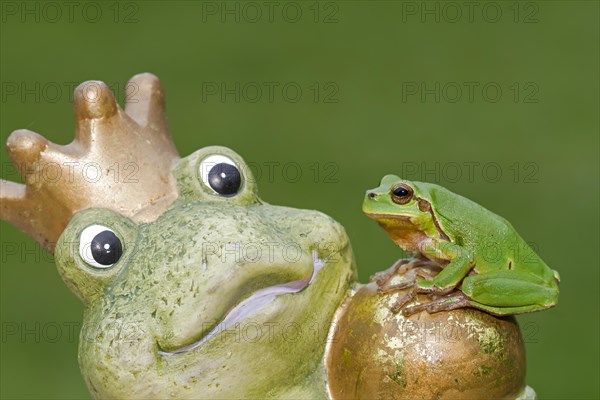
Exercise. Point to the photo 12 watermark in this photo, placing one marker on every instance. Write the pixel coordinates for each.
(270, 92)
(527, 92)
(253, 12)
(54, 92)
(69, 172)
(488, 12)
(524, 172)
(53, 12)
(317, 172)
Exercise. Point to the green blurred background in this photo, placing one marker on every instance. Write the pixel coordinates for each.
(378, 84)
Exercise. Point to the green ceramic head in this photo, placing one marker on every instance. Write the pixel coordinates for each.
(222, 296)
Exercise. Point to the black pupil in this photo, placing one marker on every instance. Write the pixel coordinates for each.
(401, 192)
(225, 179)
(106, 248)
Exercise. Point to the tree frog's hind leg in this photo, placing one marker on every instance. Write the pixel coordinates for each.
(460, 300)
(446, 303)
(510, 292)
(504, 311)
(498, 293)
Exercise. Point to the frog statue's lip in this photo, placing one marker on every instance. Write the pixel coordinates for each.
(251, 305)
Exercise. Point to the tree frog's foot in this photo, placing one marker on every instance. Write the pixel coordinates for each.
(401, 302)
(395, 288)
(407, 269)
(421, 263)
(446, 303)
(410, 279)
(381, 278)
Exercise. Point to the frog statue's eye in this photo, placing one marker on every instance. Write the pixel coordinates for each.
(99, 246)
(401, 193)
(220, 174)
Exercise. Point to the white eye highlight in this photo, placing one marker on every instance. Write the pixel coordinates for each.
(99, 246)
(221, 175)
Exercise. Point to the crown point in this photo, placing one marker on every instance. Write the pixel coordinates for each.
(144, 88)
(94, 100)
(145, 80)
(26, 140)
(24, 148)
(144, 101)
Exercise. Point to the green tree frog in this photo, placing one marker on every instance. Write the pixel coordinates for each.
(482, 255)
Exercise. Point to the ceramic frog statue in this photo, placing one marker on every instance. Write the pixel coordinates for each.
(218, 264)
(196, 288)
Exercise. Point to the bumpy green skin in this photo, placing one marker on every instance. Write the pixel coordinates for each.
(481, 251)
(180, 275)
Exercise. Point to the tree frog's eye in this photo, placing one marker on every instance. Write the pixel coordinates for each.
(401, 193)
(99, 246)
(221, 175)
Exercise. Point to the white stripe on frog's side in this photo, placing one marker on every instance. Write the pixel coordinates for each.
(253, 304)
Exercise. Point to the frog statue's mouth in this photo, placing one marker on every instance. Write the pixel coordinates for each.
(251, 305)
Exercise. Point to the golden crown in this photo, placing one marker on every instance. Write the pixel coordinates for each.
(119, 160)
